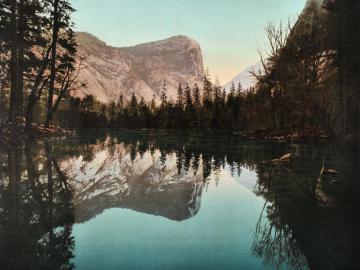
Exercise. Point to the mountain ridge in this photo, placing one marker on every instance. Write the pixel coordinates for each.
(140, 69)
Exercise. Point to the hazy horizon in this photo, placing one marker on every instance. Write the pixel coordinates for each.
(228, 30)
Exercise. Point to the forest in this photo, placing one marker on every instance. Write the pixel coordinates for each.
(309, 82)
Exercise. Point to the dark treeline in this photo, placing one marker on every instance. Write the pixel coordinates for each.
(208, 108)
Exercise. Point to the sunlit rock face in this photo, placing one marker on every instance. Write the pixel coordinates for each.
(140, 69)
(115, 178)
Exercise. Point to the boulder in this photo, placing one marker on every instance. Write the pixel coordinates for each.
(286, 157)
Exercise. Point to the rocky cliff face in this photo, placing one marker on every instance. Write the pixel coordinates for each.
(140, 69)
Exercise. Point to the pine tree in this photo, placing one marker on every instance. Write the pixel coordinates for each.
(180, 97)
(62, 57)
(133, 106)
(121, 102)
(153, 104)
(232, 90)
(217, 92)
(144, 113)
(112, 114)
(223, 98)
(207, 96)
(188, 100)
(239, 89)
(163, 95)
(196, 96)
(22, 25)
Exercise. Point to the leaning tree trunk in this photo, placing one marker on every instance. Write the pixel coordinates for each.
(55, 33)
(35, 91)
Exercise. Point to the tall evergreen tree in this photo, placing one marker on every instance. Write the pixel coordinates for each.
(196, 96)
(232, 90)
(239, 89)
(188, 100)
(207, 92)
(121, 102)
(180, 97)
(63, 50)
(163, 95)
(153, 104)
(133, 106)
(22, 28)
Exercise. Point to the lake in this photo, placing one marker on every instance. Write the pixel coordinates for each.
(171, 200)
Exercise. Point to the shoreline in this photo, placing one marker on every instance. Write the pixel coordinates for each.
(19, 132)
(13, 134)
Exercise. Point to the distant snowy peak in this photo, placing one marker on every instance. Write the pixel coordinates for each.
(245, 77)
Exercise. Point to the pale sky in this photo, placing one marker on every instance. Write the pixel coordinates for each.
(228, 31)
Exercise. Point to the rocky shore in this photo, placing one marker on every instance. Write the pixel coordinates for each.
(264, 135)
(13, 133)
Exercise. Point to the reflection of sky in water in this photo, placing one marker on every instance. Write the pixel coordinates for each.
(127, 204)
(219, 237)
(247, 178)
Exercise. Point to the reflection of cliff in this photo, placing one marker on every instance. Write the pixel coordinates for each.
(118, 177)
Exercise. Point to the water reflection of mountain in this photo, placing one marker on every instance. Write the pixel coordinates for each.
(150, 183)
(310, 220)
(151, 173)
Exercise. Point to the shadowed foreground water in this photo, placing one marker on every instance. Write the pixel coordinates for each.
(164, 200)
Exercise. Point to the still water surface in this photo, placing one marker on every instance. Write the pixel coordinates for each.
(166, 200)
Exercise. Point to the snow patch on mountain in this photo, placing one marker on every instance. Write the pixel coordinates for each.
(245, 77)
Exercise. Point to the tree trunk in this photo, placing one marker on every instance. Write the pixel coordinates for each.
(20, 63)
(35, 89)
(55, 33)
(13, 66)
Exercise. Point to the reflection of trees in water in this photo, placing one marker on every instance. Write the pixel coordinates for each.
(212, 152)
(300, 223)
(306, 216)
(308, 213)
(36, 211)
(275, 243)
